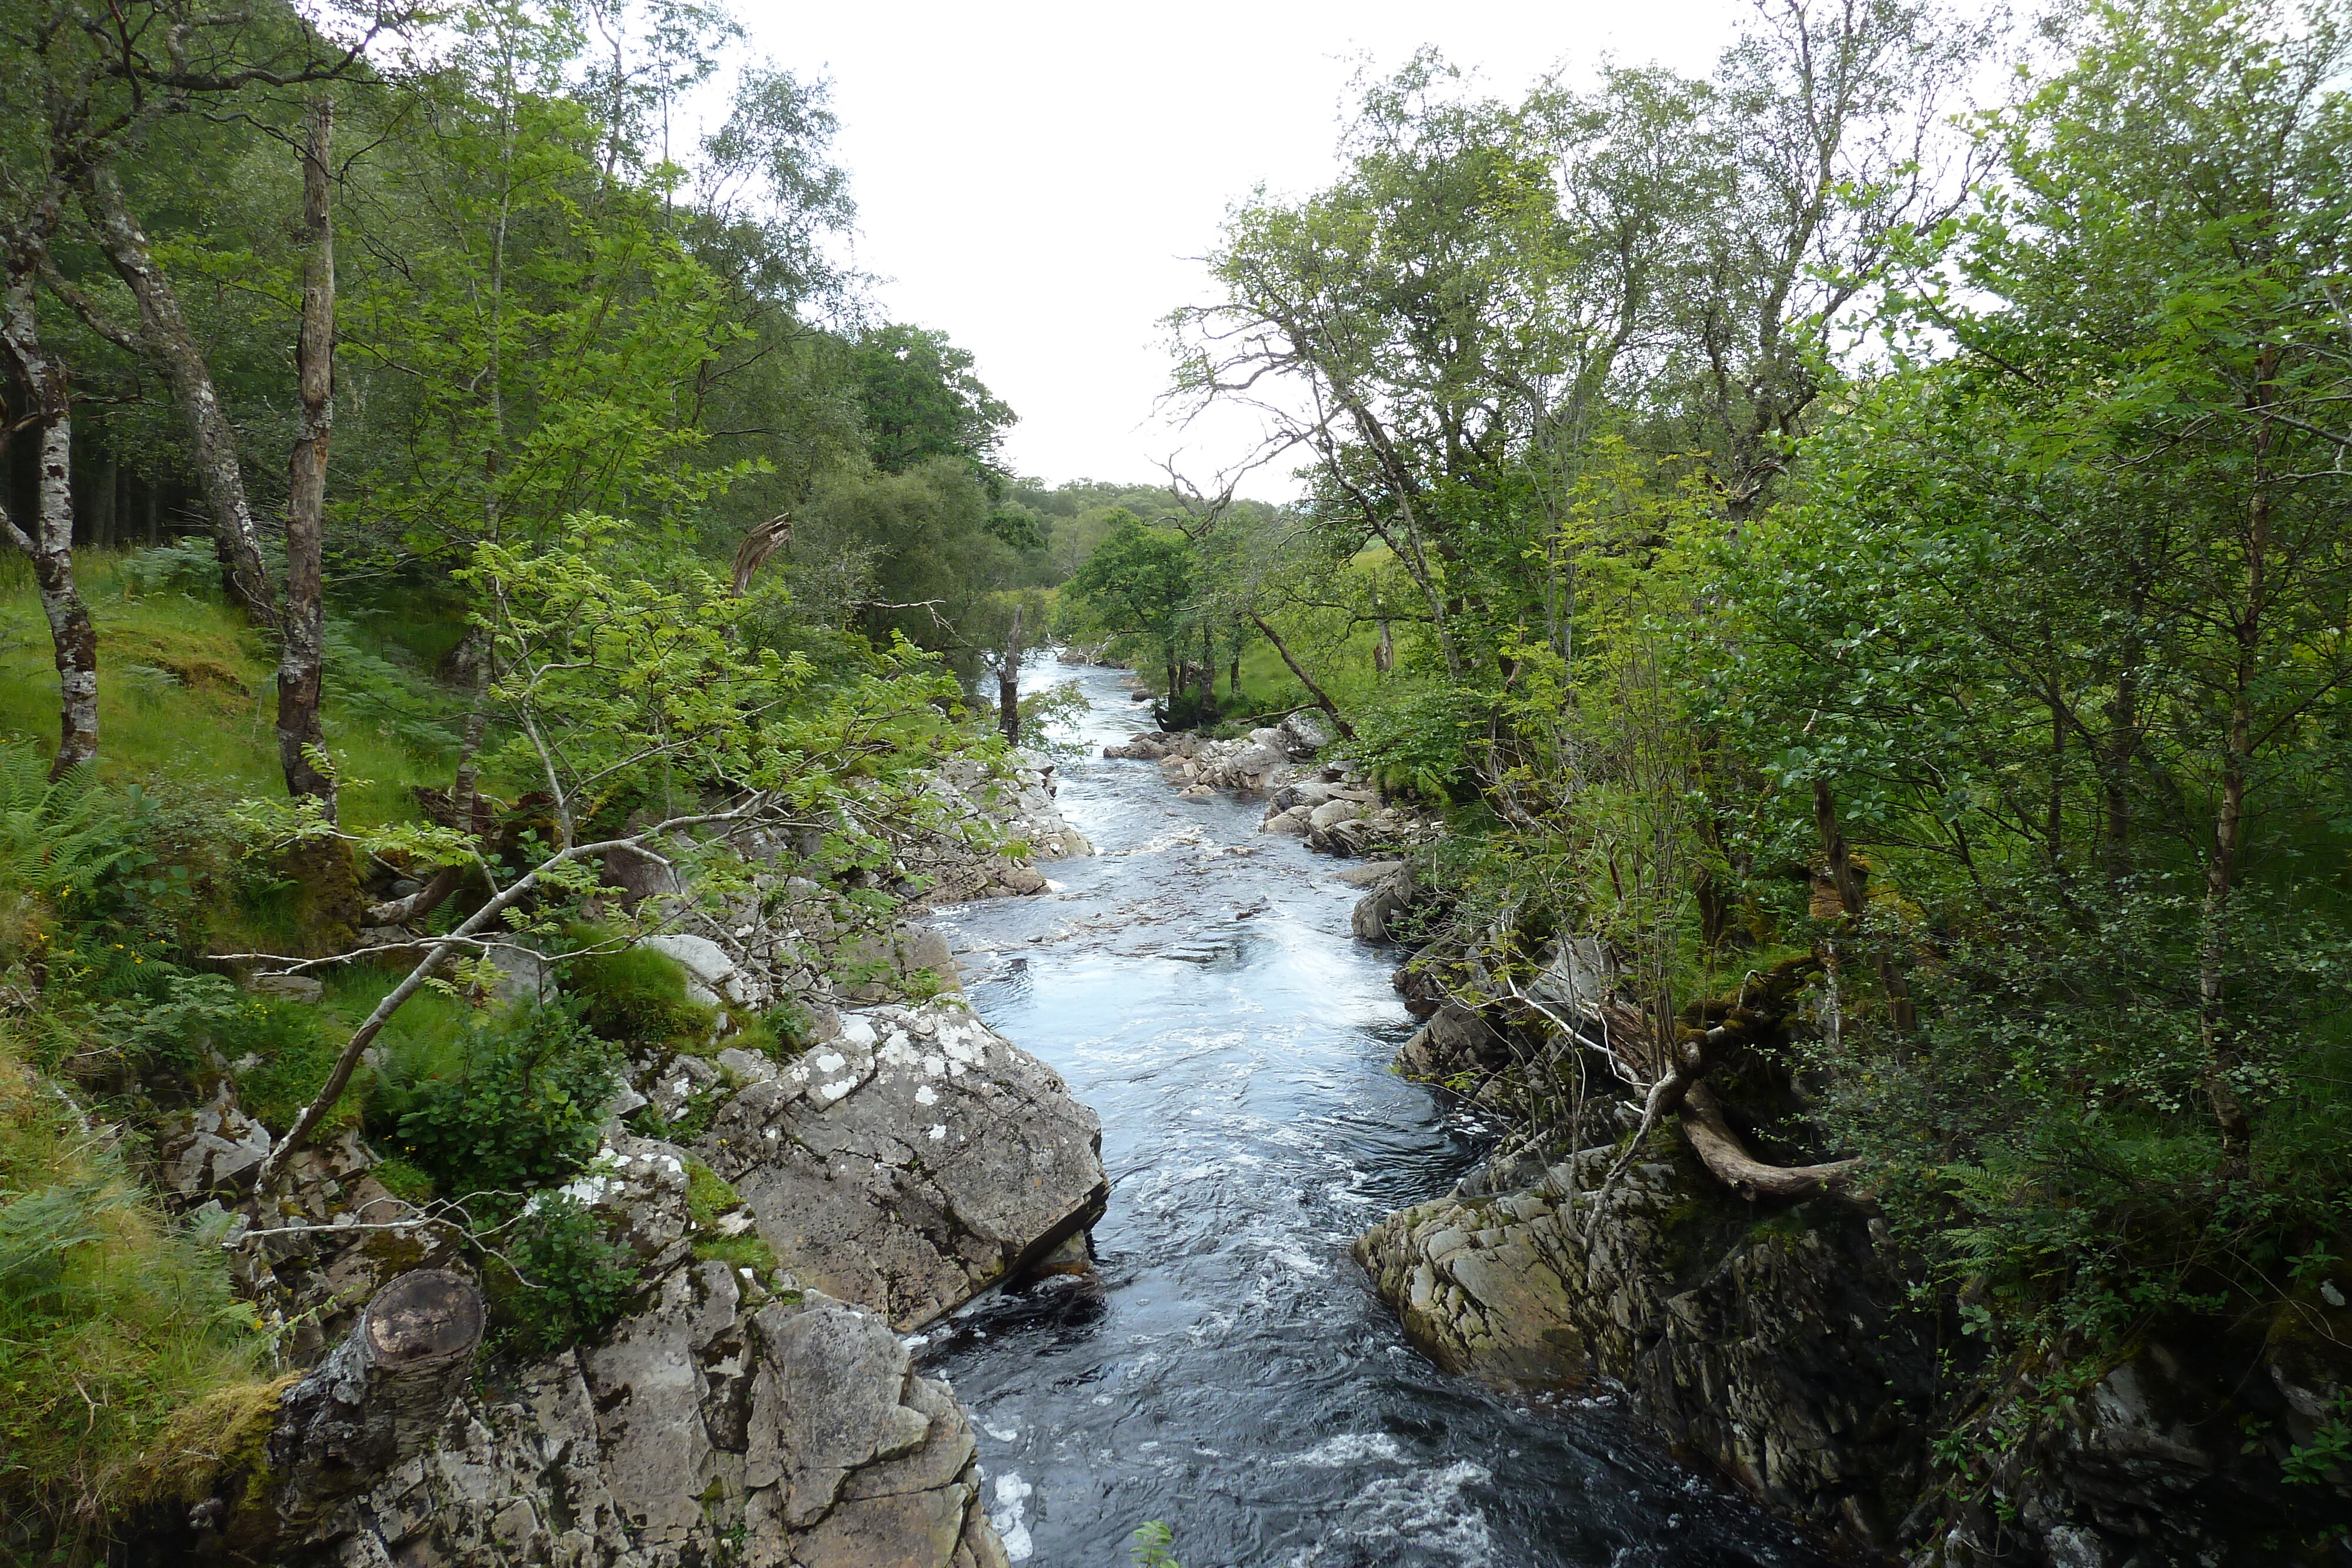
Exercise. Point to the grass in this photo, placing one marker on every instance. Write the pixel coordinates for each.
(709, 1198)
(117, 1331)
(187, 691)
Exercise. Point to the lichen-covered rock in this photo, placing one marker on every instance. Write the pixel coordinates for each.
(637, 1187)
(912, 1161)
(727, 1422)
(1765, 1349)
(1390, 893)
(1304, 733)
(214, 1148)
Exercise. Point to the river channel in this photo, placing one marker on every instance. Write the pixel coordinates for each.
(1229, 1371)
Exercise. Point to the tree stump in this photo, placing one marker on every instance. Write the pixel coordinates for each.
(379, 1397)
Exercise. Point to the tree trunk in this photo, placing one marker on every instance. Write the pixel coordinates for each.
(753, 552)
(301, 660)
(165, 332)
(2230, 1117)
(1848, 879)
(72, 635)
(1322, 698)
(1008, 684)
(380, 1397)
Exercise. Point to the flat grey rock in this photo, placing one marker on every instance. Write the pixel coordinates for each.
(912, 1161)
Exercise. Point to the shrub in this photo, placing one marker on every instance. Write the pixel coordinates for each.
(520, 1112)
(636, 996)
(559, 1280)
(1150, 1546)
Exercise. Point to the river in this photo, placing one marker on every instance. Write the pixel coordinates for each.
(1229, 1371)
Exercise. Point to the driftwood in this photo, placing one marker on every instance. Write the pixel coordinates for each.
(379, 1397)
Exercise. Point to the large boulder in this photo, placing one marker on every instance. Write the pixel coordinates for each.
(912, 1161)
(734, 1420)
(1304, 733)
(1247, 766)
(1390, 894)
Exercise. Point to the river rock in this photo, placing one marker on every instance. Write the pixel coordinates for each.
(1012, 802)
(1366, 832)
(1775, 1360)
(912, 1161)
(1304, 733)
(728, 1422)
(1292, 822)
(1784, 1347)
(1390, 895)
(1152, 746)
(1322, 819)
(1247, 766)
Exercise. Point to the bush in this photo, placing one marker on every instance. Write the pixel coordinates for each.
(560, 1282)
(636, 996)
(520, 1112)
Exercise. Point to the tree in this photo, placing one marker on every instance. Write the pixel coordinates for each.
(1139, 584)
(49, 543)
(661, 736)
(922, 401)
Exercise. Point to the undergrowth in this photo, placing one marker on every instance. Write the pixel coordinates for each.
(117, 1327)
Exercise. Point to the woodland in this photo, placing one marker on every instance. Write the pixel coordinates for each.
(1871, 521)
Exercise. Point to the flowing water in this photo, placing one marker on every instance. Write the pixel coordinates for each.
(1230, 1372)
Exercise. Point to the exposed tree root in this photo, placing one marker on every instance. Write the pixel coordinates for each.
(1727, 1160)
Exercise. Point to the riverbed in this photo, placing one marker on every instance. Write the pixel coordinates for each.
(1227, 1370)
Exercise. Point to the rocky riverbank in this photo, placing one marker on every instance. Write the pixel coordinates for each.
(1785, 1346)
(788, 1218)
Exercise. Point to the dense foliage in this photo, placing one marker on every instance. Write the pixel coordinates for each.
(1779, 524)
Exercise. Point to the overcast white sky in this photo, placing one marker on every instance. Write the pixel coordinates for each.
(1035, 179)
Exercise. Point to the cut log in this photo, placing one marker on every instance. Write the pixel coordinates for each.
(380, 1397)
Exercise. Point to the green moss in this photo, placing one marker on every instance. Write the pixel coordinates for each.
(749, 1250)
(405, 1180)
(708, 1194)
(636, 996)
